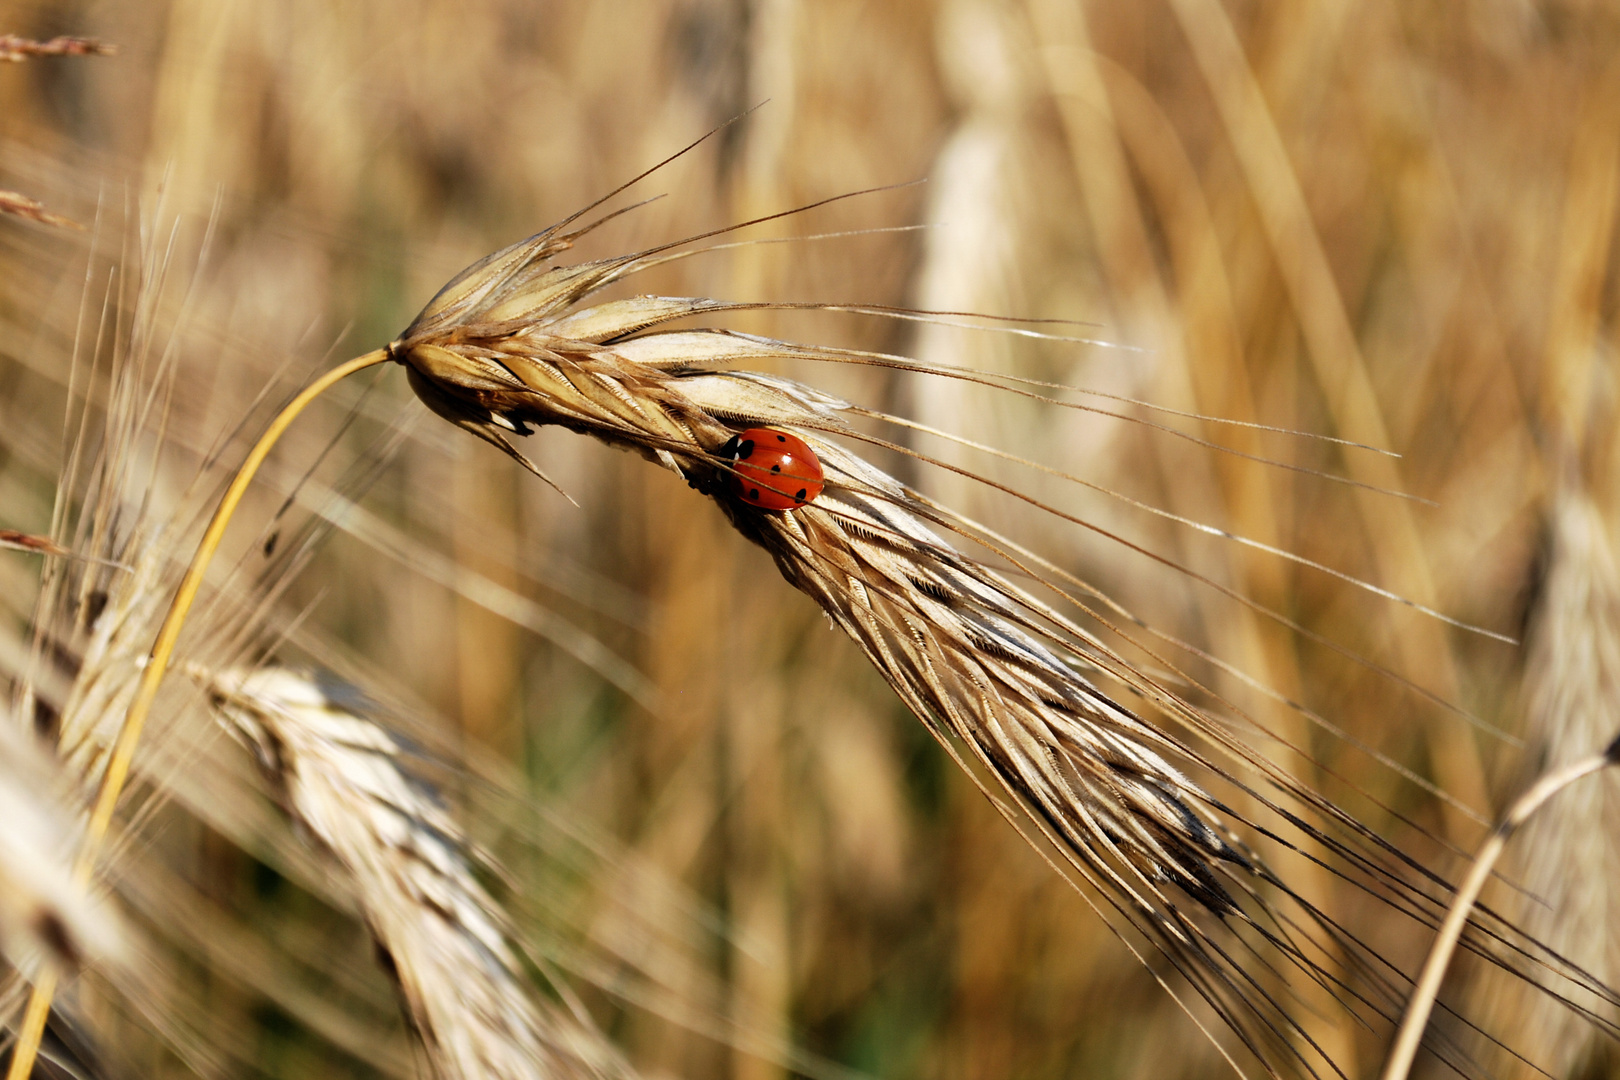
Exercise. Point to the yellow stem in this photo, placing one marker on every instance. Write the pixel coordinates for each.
(33, 1025)
(112, 782)
(1427, 987)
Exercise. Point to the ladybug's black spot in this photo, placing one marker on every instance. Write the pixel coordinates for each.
(776, 468)
(800, 495)
(745, 449)
(781, 438)
(753, 493)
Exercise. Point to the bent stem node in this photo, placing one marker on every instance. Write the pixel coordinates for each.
(1427, 988)
(112, 782)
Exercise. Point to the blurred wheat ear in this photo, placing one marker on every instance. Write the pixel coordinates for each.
(1569, 857)
(439, 932)
(44, 912)
(50, 919)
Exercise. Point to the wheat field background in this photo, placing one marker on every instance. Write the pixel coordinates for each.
(1391, 223)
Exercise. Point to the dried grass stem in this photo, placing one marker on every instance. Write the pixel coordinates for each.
(1427, 988)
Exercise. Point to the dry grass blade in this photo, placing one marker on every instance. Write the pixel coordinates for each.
(443, 936)
(16, 48)
(22, 206)
(18, 541)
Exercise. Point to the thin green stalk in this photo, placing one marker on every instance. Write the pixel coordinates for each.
(1427, 988)
(112, 782)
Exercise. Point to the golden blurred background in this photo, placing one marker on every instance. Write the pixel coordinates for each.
(1392, 223)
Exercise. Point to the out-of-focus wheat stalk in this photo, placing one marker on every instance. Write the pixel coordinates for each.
(112, 568)
(443, 937)
(1568, 860)
(98, 604)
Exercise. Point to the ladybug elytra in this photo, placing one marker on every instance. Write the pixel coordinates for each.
(772, 469)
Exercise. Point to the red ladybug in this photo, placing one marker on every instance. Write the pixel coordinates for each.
(772, 469)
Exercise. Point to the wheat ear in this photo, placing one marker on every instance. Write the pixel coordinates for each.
(343, 779)
(117, 772)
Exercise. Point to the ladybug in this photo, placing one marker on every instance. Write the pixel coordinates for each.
(772, 469)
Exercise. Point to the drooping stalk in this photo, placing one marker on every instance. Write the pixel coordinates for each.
(112, 782)
(1427, 987)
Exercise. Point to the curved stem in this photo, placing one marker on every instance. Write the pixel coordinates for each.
(1427, 988)
(123, 754)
